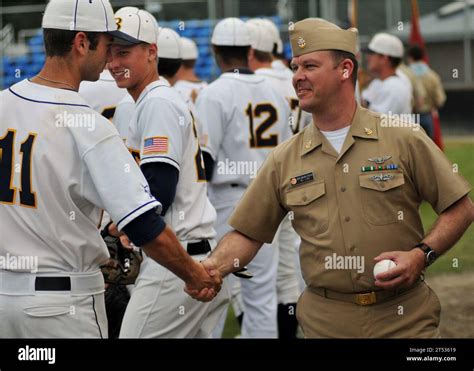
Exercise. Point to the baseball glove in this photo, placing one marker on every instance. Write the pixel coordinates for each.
(123, 266)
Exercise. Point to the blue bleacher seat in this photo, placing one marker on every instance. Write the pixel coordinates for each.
(187, 32)
(22, 60)
(38, 58)
(35, 41)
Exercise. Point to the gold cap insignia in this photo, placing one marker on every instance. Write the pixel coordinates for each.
(301, 42)
(308, 145)
(368, 131)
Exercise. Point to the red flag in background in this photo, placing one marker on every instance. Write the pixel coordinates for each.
(417, 39)
(415, 32)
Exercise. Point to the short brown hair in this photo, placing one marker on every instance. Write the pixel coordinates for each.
(189, 63)
(262, 57)
(58, 43)
(230, 54)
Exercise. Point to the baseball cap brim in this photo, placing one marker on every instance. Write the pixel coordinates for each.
(122, 38)
(368, 50)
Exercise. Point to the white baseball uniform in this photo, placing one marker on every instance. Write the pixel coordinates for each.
(189, 90)
(162, 130)
(286, 240)
(123, 115)
(392, 95)
(245, 118)
(102, 95)
(70, 164)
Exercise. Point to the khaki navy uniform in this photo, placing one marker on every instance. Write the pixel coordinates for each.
(359, 203)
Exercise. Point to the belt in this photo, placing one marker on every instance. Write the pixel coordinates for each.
(53, 284)
(198, 248)
(365, 298)
(76, 283)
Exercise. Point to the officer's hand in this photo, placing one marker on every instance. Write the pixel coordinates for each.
(207, 283)
(410, 264)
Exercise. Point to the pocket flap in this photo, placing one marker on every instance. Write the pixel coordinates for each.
(47, 311)
(381, 181)
(306, 195)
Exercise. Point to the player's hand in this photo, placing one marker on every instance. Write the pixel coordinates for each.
(126, 243)
(208, 285)
(410, 264)
(113, 231)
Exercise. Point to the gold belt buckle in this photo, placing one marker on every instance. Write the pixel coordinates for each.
(366, 299)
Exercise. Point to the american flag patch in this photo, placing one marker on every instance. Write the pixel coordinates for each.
(155, 145)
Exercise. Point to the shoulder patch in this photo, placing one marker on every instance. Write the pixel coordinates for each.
(155, 145)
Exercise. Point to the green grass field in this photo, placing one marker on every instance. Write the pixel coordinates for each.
(462, 154)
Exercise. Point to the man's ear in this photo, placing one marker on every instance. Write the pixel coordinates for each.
(347, 68)
(250, 54)
(153, 53)
(81, 43)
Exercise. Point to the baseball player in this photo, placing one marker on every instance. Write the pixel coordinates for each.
(73, 164)
(188, 84)
(245, 118)
(286, 240)
(169, 54)
(265, 34)
(163, 135)
(278, 56)
(102, 95)
(169, 62)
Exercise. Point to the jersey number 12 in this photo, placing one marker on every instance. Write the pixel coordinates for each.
(7, 191)
(256, 134)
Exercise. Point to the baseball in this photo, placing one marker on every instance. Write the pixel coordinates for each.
(383, 266)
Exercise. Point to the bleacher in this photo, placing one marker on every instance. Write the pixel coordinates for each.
(25, 66)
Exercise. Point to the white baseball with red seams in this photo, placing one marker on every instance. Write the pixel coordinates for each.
(383, 266)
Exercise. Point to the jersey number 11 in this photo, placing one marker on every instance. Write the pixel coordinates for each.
(7, 191)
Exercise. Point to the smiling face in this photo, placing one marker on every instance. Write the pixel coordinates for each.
(316, 78)
(131, 65)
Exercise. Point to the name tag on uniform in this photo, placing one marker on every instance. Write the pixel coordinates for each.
(300, 179)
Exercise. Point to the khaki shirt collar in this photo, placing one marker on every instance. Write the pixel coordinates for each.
(363, 125)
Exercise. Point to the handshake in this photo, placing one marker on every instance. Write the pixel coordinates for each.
(207, 280)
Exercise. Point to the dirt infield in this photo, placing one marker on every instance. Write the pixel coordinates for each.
(456, 294)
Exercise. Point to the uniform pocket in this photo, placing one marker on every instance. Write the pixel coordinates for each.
(310, 208)
(381, 196)
(47, 311)
(54, 305)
